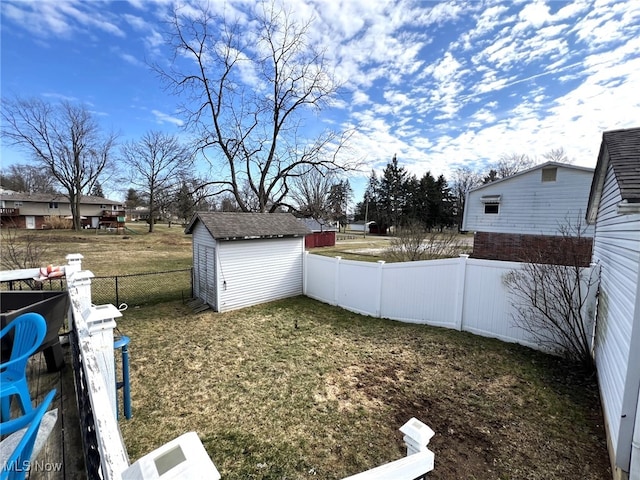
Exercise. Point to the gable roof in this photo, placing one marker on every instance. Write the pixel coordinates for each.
(619, 149)
(240, 226)
(53, 197)
(532, 169)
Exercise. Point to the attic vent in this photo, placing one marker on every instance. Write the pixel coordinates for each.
(549, 174)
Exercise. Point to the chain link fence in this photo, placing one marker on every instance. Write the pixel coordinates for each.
(134, 289)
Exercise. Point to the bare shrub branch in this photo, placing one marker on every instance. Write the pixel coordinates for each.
(551, 302)
(414, 243)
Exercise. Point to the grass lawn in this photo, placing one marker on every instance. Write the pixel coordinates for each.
(325, 400)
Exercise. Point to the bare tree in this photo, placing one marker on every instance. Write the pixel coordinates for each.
(157, 163)
(65, 139)
(513, 163)
(28, 179)
(247, 94)
(551, 302)
(22, 250)
(464, 179)
(310, 194)
(557, 155)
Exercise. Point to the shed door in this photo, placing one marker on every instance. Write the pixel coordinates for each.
(205, 274)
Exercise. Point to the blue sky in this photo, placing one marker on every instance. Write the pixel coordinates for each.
(439, 84)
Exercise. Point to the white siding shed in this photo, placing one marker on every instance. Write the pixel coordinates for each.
(243, 259)
(614, 208)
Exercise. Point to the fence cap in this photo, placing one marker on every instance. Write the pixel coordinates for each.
(417, 431)
(100, 315)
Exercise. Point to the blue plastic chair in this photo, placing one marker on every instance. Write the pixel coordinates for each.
(15, 464)
(26, 332)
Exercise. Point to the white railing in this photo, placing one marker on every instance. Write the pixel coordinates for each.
(461, 293)
(418, 462)
(93, 326)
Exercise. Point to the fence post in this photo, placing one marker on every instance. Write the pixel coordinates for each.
(459, 297)
(74, 263)
(416, 436)
(336, 282)
(305, 260)
(379, 299)
(80, 283)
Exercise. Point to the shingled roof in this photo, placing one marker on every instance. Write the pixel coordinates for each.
(619, 149)
(240, 226)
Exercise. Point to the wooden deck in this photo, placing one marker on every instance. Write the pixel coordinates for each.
(62, 456)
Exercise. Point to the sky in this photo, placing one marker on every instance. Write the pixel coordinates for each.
(438, 84)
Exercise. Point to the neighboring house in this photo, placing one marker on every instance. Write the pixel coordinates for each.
(243, 259)
(323, 233)
(513, 215)
(614, 209)
(33, 210)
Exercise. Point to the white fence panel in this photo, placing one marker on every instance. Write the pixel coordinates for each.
(460, 293)
(487, 310)
(359, 287)
(320, 275)
(420, 292)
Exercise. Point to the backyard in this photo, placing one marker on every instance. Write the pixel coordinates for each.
(326, 399)
(300, 389)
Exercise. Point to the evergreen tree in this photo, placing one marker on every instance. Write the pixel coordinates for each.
(184, 204)
(96, 190)
(339, 196)
(392, 197)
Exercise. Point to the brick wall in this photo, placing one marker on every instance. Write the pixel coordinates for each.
(532, 248)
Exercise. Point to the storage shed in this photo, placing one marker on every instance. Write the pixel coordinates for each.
(323, 233)
(614, 208)
(243, 259)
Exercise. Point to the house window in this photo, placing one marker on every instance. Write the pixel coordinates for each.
(491, 204)
(549, 174)
(53, 204)
(491, 208)
(17, 204)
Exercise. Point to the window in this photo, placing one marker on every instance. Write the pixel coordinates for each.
(549, 174)
(17, 204)
(53, 204)
(491, 204)
(491, 208)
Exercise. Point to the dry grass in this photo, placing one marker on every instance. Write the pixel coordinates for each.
(135, 251)
(325, 400)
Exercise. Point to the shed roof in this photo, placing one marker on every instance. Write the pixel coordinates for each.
(621, 150)
(239, 226)
(318, 225)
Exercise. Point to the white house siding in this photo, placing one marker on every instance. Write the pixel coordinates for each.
(256, 271)
(617, 250)
(530, 206)
(204, 262)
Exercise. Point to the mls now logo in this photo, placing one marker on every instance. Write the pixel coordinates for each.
(36, 466)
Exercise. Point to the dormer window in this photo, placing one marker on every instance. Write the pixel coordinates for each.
(549, 174)
(491, 204)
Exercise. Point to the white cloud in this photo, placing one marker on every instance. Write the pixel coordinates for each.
(166, 118)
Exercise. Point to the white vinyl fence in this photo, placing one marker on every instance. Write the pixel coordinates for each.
(461, 293)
